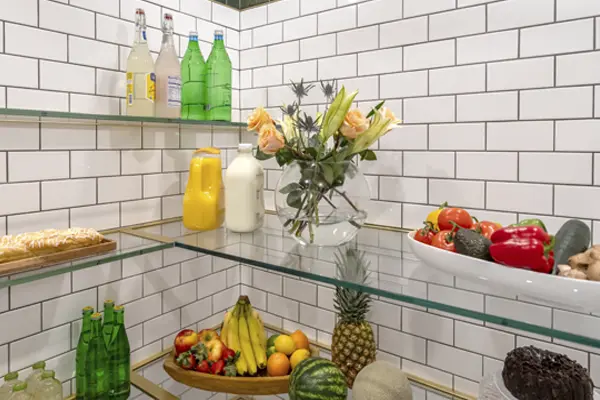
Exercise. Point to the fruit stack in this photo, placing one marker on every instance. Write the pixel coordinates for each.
(204, 352)
(242, 348)
(284, 352)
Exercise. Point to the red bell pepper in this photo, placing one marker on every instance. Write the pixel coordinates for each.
(522, 247)
(520, 232)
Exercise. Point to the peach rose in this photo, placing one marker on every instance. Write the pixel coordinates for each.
(270, 141)
(258, 118)
(388, 114)
(354, 124)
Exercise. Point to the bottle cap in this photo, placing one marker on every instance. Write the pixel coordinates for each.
(20, 387)
(119, 309)
(168, 17)
(244, 147)
(140, 11)
(48, 374)
(11, 376)
(39, 365)
(96, 317)
(88, 309)
(108, 302)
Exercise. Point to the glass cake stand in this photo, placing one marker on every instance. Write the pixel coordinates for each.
(492, 388)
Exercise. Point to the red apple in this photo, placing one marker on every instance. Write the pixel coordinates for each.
(185, 340)
(215, 349)
(206, 335)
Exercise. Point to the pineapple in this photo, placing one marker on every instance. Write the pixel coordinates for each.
(353, 344)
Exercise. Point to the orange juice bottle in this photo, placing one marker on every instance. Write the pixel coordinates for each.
(203, 203)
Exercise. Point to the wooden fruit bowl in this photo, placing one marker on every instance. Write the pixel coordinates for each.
(257, 385)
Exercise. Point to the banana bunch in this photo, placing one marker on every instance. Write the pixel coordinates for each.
(243, 331)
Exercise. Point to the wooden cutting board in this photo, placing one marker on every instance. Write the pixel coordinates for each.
(38, 262)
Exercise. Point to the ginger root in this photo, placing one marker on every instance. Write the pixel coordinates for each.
(584, 265)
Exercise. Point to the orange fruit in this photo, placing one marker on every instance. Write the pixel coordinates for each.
(278, 365)
(300, 340)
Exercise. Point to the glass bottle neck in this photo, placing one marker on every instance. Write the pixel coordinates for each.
(167, 40)
(193, 44)
(140, 34)
(95, 327)
(219, 43)
(120, 318)
(87, 322)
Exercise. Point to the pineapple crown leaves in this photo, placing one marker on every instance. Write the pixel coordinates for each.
(352, 266)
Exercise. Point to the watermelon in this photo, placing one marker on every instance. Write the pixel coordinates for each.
(317, 379)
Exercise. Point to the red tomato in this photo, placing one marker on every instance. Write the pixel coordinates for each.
(486, 228)
(457, 215)
(424, 235)
(444, 240)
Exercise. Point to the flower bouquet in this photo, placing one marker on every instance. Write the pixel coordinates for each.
(321, 194)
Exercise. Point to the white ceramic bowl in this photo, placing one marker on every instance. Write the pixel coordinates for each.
(551, 289)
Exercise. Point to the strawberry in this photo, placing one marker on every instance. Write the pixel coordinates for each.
(227, 354)
(203, 367)
(217, 367)
(187, 360)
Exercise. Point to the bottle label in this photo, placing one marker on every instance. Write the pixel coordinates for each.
(130, 93)
(144, 34)
(141, 87)
(173, 91)
(150, 87)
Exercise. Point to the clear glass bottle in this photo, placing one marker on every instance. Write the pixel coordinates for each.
(119, 364)
(81, 353)
(19, 392)
(96, 375)
(168, 75)
(35, 376)
(218, 81)
(10, 380)
(49, 388)
(141, 79)
(193, 76)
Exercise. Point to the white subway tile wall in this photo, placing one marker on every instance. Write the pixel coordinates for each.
(499, 107)
(500, 113)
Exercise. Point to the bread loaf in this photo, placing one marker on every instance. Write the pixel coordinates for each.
(46, 242)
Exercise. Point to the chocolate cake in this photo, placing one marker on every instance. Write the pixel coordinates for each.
(533, 374)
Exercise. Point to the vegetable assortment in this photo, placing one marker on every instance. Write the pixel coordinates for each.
(524, 245)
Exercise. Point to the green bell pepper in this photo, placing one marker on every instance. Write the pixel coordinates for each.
(532, 222)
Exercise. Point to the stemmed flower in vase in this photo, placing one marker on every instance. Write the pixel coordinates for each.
(321, 195)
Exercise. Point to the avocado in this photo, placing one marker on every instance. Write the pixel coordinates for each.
(472, 244)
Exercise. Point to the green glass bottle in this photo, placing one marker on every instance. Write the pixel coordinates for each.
(96, 363)
(81, 353)
(119, 364)
(109, 321)
(218, 81)
(193, 75)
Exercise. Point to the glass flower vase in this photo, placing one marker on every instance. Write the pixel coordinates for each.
(322, 203)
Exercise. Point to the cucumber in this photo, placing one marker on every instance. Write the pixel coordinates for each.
(572, 238)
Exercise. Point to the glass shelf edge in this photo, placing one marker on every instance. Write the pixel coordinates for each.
(501, 321)
(112, 118)
(7, 282)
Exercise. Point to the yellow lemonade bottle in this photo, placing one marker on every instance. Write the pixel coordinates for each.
(203, 202)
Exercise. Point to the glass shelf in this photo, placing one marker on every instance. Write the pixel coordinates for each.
(127, 246)
(394, 272)
(97, 119)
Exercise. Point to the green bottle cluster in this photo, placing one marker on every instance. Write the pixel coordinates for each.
(102, 357)
(206, 89)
